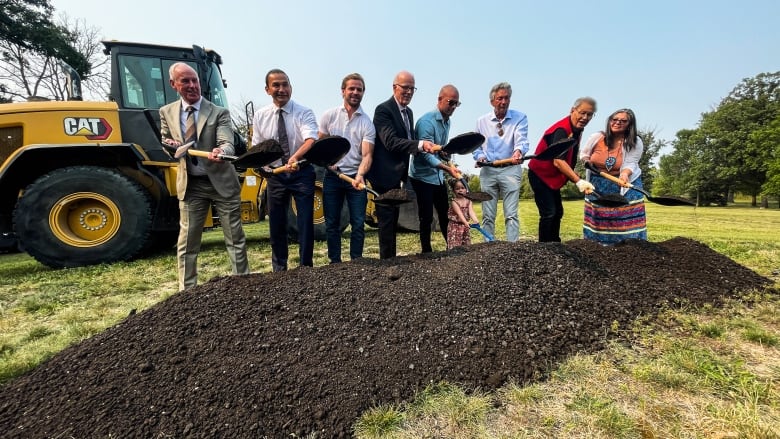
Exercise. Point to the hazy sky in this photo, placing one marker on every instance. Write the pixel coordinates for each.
(668, 60)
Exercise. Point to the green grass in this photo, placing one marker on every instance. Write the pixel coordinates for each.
(690, 373)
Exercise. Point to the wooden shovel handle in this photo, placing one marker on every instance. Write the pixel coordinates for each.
(503, 162)
(282, 169)
(616, 180)
(350, 180)
(207, 154)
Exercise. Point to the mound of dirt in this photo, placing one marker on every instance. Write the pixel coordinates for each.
(306, 351)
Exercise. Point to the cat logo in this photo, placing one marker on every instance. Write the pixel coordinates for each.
(93, 128)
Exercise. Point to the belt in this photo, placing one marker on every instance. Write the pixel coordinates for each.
(197, 177)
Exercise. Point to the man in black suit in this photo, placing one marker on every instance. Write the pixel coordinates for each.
(395, 141)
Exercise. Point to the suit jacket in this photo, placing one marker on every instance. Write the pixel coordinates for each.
(214, 128)
(392, 148)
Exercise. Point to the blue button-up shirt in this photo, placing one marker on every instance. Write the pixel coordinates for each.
(424, 167)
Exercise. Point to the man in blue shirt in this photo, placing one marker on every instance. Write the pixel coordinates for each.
(426, 172)
(506, 135)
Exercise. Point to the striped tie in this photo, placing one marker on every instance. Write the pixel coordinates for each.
(190, 132)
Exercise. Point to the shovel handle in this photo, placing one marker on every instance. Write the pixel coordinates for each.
(615, 180)
(350, 180)
(282, 169)
(199, 153)
(362, 186)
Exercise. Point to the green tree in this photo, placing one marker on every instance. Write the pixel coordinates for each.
(768, 139)
(724, 154)
(27, 23)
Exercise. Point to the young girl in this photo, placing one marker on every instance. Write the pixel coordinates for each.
(461, 214)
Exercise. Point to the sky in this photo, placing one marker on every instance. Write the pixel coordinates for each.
(668, 60)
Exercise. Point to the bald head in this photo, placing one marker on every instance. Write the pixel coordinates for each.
(403, 87)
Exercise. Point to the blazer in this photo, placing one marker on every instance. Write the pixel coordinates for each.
(214, 128)
(391, 151)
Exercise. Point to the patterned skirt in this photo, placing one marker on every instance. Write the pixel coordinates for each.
(610, 225)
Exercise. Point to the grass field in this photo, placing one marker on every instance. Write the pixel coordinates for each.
(691, 373)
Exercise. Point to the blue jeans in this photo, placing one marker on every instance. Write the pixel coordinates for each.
(334, 192)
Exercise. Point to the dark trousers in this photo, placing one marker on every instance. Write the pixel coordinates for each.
(299, 185)
(334, 192)
(550, 206)
(430, 196)
(387, 223)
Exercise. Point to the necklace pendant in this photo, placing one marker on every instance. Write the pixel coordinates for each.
(609, 163)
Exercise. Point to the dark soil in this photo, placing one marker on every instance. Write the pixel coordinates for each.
(308, 350)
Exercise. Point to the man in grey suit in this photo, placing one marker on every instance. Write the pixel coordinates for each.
(202, 181)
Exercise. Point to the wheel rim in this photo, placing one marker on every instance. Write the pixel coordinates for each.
(319, 206)
(84, 219)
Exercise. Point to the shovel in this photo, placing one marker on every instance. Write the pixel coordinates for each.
(551, 152)
(484, 232)
(664, 201)
(609, 200)
(256, 157)
(465, 143)
(324, 152)
(390, 198)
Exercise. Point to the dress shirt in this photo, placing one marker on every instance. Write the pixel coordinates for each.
(425, 167)
(359, 129)
(515, 138)
(299, 121)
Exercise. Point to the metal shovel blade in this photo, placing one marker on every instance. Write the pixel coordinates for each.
(465, 143)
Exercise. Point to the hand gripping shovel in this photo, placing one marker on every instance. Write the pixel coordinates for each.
(550, 153)
(324, 152)
(484, 232)
(257, 156)
(393, 197)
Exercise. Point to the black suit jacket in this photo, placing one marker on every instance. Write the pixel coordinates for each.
(392, 148)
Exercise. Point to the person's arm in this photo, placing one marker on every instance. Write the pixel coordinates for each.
(307, 124)
(367, 153)
(521, 145)
(629, 170)
(472, 214)
(224, 137)
(590, 143)
(459, 213)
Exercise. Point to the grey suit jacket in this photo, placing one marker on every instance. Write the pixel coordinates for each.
(214, 129)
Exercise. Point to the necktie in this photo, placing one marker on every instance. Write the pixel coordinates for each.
(407, 125)
(283, 141)
(190, 132)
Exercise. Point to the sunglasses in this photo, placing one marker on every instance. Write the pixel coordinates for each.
(500, 129)
(617, 121)
(453, 103)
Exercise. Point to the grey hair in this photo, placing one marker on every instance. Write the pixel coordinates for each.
(500, 86)
(585, 100)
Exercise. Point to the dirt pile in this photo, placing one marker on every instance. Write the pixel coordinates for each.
(308, 350)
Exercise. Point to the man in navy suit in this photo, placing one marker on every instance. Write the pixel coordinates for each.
(395, 141)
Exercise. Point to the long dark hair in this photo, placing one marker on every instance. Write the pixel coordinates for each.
(631, 135)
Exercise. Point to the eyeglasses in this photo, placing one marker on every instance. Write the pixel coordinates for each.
(500, 129)
(619, 121)
(410, 88)
(453, 103)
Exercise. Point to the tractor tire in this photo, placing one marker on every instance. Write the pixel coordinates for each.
(320, 232)
(83, 215)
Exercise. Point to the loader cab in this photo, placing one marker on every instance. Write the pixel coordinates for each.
(140, 86)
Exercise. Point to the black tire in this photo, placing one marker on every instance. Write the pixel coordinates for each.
(320, 232)
(83, 215)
